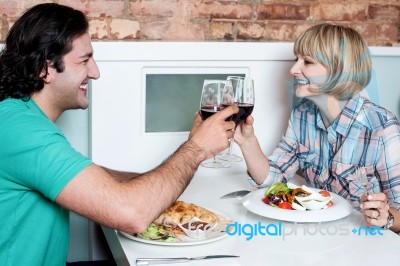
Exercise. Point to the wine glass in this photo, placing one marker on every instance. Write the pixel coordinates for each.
(243, 88)
(215, 96)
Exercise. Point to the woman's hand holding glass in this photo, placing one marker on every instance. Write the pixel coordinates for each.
(244, 131)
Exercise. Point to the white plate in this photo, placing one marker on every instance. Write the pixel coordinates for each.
(340, 209)
(186, 241)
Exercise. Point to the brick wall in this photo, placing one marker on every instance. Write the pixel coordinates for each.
(224, 20)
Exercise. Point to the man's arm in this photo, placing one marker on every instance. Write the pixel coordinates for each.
(132, 205)
(120, 176)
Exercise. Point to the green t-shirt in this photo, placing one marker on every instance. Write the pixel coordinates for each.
(36, 163)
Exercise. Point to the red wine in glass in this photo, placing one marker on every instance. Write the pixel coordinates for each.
(207, 111)
(245, 109)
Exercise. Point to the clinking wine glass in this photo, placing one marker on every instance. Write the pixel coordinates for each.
(243, 88)
(215, 96)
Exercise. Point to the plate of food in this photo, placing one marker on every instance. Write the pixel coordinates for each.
(292, 203)
(183, 224)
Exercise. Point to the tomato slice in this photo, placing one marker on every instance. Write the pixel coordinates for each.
(266, 200)
(329, 204)
(325, 193)
(285, 205)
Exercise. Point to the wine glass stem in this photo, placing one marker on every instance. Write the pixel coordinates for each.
(230, 146)
(232, 140)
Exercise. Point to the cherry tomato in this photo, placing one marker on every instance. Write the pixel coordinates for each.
(266, 200)
(325, 193)
(285, 205)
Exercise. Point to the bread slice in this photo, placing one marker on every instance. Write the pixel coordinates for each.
(181, 212)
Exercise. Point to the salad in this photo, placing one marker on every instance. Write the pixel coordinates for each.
(160, 232)
(195, 228)
(292, 197)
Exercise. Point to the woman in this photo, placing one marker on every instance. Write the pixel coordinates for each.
(334, 133)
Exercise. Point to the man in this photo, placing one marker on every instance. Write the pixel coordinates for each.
(45, 67)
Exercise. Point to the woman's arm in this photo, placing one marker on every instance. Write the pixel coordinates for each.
(376, 207)
(256, 161)
(260, 166)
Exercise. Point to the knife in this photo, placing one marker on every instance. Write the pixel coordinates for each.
(152, 261)
(236, 194)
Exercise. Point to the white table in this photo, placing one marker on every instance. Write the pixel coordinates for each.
(330, 243)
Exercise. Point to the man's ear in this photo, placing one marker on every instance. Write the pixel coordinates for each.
(45, 76)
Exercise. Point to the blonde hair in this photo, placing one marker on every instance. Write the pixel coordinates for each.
(343, 52)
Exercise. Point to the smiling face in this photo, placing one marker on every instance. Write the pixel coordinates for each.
(344, 54)
(308, 74)
(68, 89)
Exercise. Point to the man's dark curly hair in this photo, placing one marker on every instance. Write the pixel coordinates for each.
(38, 40)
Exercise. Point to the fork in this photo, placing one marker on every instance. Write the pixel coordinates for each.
(362, 178)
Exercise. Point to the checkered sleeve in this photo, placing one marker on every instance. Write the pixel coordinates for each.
(388, 165)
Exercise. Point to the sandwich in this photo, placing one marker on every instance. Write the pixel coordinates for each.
(168, 226)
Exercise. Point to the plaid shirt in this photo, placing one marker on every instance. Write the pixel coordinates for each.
(363, 135)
